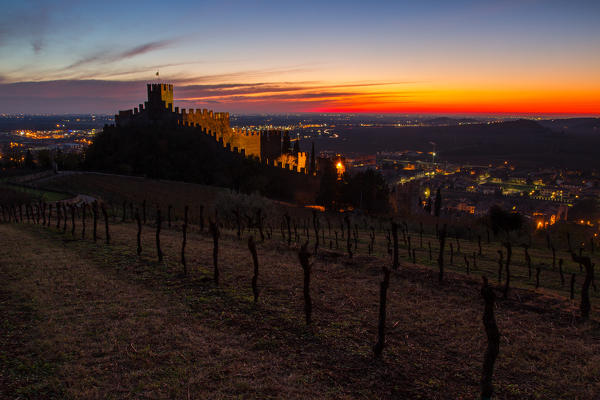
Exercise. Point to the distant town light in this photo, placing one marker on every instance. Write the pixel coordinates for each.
(540, 224)
(340, 169)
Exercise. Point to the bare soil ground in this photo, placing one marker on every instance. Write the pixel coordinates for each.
(90, 320)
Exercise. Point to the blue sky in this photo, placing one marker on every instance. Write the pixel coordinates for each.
(398, 56)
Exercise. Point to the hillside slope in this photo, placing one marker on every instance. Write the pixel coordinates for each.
(92, 320)
(523, 142)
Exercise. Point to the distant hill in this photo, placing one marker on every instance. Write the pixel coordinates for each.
(577, 126)
(522, 141)
(451, 121)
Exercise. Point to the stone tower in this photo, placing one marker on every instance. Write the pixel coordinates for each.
(160, 97)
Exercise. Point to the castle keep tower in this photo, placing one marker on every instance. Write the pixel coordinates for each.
(160, 97)
(157, 110)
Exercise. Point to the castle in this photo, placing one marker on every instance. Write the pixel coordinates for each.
(266, 146)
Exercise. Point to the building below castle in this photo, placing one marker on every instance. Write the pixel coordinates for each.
(266, 146)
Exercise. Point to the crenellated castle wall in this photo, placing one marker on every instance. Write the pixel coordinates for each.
(207, 119)
(262, 145)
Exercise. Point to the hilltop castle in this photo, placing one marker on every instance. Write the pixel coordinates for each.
(266, 146)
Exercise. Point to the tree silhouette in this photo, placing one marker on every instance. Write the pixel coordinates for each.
(313, 161)
(366, 190)
(427, 207)
(328, 193)
(285, 144)
(438, 203)
(504, 221)
(29, 160)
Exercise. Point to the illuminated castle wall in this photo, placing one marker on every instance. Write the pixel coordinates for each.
(263, 145)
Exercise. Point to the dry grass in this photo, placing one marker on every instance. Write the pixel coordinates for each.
(116, 189)
(104, 323)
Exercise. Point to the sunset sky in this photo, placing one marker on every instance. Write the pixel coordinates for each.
(427, 57)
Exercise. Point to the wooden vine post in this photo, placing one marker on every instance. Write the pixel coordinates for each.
(65, 218)
(289, 229)
(493, 339)
(184, 240)
(214, 230)
(252, 248)
(58, 215)
(95, 222)
(139, 232)
(383, 287)
(508, 246)
(105, 215)
(395, 244)
(304, 256)
(585, 305)
(158, 226)
(442, 239)
(348, 238)
(83, 209)
(73, 208)
(316, 228)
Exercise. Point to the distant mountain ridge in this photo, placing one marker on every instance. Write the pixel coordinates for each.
(578, 126)
(451, 121)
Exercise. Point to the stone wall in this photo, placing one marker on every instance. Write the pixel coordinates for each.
(263, 145)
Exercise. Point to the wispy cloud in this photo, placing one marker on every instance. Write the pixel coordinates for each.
(145, 48)
(104, 96)
(253, 88)
(36, 17)
(292, 96)
(106, 57)
(244, 75)
(98, 67)
(37, 44)
(280, 91)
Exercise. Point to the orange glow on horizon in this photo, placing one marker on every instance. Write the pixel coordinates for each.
(416, 98)
(576, 102)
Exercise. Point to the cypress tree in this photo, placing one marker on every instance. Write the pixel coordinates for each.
(285, 145)
(313, 161)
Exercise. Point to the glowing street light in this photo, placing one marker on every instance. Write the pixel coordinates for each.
(339, 167)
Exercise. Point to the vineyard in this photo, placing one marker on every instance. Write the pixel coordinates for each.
(163, 289)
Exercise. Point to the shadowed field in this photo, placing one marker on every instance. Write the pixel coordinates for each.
(118, 190)
(90, 320)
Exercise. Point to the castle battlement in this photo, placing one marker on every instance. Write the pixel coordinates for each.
(160, 95)
(264, 145)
